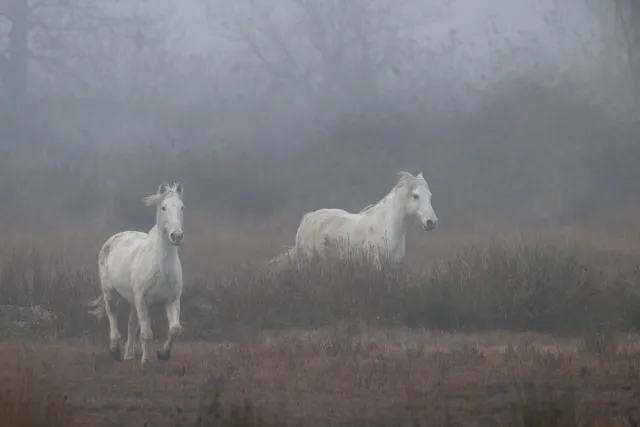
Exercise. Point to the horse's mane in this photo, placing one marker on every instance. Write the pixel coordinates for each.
(366, 208)
(154, 199)
(405, 179)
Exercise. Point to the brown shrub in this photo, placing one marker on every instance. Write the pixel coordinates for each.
(525, 287)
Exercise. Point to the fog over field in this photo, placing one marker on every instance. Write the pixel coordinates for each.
(521, 115)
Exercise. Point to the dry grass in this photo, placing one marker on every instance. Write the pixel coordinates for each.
(343, 344)
(516, 286)
(24, 401)
(349, 374)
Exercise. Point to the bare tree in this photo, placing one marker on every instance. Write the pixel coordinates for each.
(627, 15)
(64, 38)
(13, 64)
(333, 51)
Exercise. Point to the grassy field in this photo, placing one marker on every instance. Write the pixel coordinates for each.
(348, 374)
(520, 309)
(517, 332)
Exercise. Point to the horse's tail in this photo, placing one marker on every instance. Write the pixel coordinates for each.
(290, 255)
(99, 308)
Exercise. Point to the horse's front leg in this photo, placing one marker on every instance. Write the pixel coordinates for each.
(146, 334)
(129, 347)
(173, 318)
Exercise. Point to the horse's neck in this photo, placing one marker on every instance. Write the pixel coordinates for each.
(163, 251)
(389, 213)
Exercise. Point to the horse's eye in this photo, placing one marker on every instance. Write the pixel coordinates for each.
(182, 208)
(416, 197)
(164, 209)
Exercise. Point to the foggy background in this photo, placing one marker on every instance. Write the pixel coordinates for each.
(520, 114)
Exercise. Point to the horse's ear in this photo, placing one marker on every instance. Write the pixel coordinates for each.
(179, 189)
(163, 187)
(404, 177)
(420, 175)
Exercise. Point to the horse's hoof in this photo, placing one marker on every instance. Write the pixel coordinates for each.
(163, 355)
(145, 363)
(116, 354)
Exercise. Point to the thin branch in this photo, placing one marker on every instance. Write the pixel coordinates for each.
(4, 66)
(60, 28)
(255, 49)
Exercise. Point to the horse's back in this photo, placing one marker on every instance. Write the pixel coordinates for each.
(118, 253)
(318, 226)
(323, 218)
(125, 241)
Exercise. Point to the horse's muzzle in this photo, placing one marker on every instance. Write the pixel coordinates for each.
(176, 238)
(430, 225)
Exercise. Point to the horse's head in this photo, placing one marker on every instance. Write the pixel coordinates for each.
(417, 200)
(169, 205)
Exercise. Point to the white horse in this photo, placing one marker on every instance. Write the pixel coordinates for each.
(377, 230)
(144, 269)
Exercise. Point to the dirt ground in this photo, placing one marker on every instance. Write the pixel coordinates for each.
(344, 375)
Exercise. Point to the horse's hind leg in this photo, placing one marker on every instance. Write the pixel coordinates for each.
(132, 332)
(173, 317)
(115, 340)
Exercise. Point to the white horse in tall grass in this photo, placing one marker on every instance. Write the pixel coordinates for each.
(144, 269)
(377, 230)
